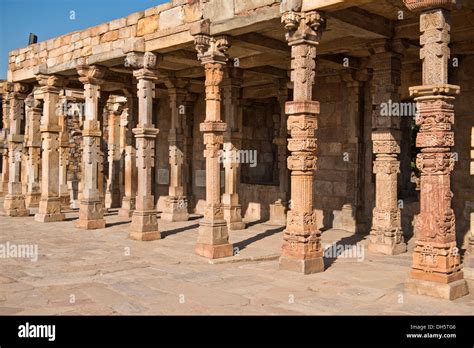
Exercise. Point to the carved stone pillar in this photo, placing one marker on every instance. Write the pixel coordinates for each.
(14, 203)
(34, 108)
(279, 209)
(176, 206)
(436, 269)
(4, 139)
(302, 250)
(129, 158)
(50, 206)
(469, 256)
(231, 87)
(91, 209)
(64, 195)
(386, 236)
(213, 239)
(112, 193)
(144, 225)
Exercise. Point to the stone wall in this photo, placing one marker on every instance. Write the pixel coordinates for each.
(333, 185)
(257, 135)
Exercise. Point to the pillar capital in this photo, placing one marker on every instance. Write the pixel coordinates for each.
(424, 5)
(212, 50)
(50, 83)
(91, 74)
(303, 27)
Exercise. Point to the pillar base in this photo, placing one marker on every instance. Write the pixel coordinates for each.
(175, 209)
(213, 239)
(91, 215)
(54, 217)
(388, 249)
(144, 226)
(32, 200)
(211, 251)
(125, 213)
(128, 207)
(278, 214)
(232, 214)
(235, 226)
(90, 224)
(65, 202)
(468, 266)
(449, 291)
(15, 206)
(308, 266)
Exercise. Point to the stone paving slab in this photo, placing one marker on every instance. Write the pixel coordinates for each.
(104, 272)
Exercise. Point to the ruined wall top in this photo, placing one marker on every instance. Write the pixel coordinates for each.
(162, 27)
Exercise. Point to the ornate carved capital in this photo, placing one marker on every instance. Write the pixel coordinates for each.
(212, 49)
(303, 27)
(91, 74)
(139, 60)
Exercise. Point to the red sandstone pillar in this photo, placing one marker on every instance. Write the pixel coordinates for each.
(436, 269)
(302, 250)
(213, 240)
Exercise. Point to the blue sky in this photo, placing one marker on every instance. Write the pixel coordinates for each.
(50, 18)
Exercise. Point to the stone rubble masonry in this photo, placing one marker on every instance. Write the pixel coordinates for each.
(160, 26)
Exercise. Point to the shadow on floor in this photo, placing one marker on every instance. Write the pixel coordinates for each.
(253, 223)
(168, 233)
(118, 223)
(244, 243)
(71, 218)
(351, 240)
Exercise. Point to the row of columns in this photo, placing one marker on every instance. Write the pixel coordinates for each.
(436, 266)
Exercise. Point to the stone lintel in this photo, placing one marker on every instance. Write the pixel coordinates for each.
(434, 90)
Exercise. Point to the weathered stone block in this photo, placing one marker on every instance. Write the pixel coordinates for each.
(148, 25)
(134, 17)
(247, 5)
(171, 18)
(110, 36)
(218, 10)
(192, 13)
(118, 23)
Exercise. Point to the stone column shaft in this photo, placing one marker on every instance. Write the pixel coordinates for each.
(232, 144)
(50, 206)
(302, 250)
(176, 206)
(213, 239)
(64, 150)
(33, 143)
(436, 269)
(144, 225)
(4, 176)
(279, 209)
(112, 194)
(129, 159)
(386, 236)
(91, 209)
(14, 203)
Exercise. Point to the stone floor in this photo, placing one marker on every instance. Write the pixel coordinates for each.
(103, 272)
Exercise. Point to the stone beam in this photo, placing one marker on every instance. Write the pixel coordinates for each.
(371, 23)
